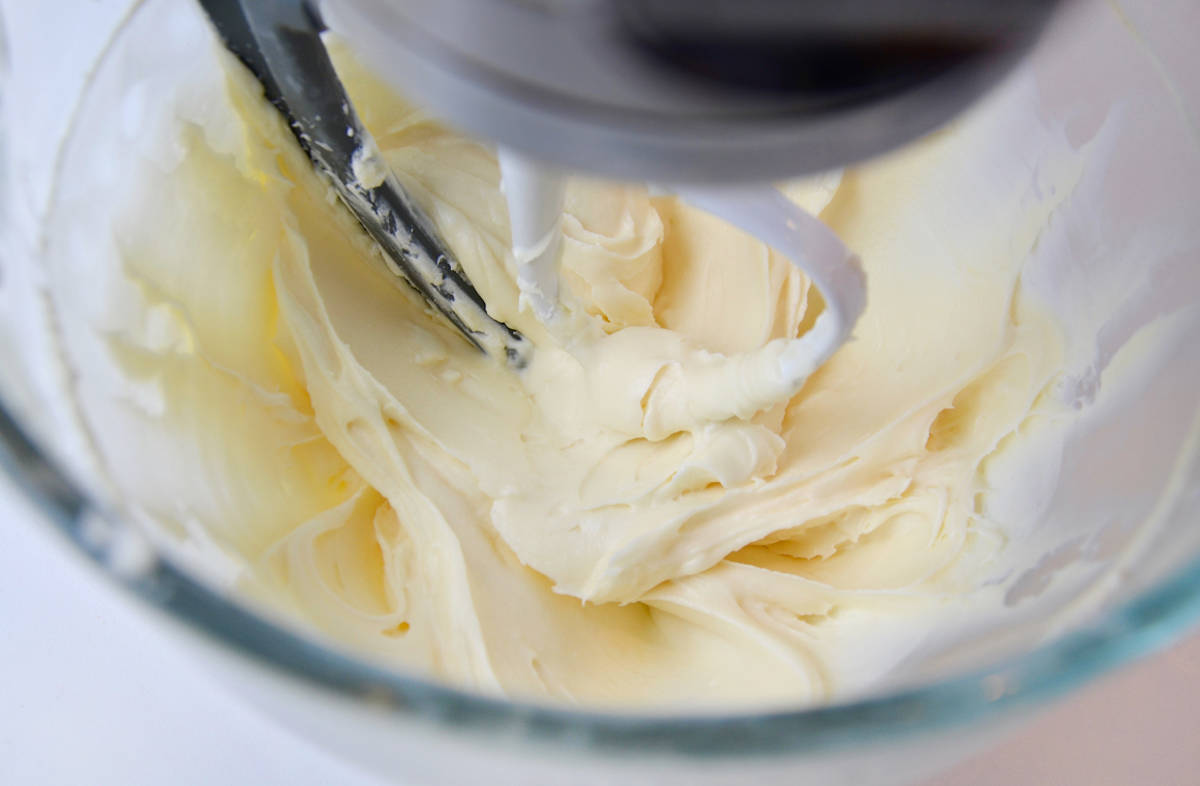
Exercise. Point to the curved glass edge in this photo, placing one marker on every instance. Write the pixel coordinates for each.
(1146, 623)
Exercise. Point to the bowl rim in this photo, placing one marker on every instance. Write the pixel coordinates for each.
(1145, 623)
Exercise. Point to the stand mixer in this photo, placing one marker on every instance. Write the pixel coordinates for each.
(704, 99)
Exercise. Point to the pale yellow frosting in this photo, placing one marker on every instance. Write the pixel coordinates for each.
(593, 529)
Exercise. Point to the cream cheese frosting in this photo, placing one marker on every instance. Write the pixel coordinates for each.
(635, 518)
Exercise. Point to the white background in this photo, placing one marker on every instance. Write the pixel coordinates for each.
(92, 692)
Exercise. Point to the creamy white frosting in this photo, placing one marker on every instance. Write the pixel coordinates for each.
(589, 530)
(189, 256)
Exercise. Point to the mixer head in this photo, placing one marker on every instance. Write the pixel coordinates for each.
(693, 90)
(666, 91)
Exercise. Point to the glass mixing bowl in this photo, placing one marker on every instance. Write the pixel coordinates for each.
(1117, 538)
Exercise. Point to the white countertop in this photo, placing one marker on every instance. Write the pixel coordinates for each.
(93, 693)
